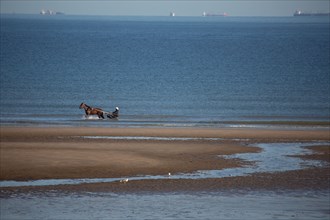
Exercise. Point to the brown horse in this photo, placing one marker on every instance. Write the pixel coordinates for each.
(92, 111)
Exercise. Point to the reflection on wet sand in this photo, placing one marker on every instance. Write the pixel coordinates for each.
(274, 157)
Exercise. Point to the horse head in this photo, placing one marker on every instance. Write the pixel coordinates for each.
(82, 105)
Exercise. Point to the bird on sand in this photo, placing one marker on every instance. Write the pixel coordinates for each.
(124, 181)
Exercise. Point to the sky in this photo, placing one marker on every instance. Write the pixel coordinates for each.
(164, 7)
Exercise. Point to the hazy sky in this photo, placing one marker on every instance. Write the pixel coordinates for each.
(164, 7)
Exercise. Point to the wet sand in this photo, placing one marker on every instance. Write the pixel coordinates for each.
(52, 153)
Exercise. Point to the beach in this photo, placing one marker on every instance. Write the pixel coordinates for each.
(162, 172)
(65, 153)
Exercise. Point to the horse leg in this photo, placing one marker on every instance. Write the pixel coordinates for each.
(100, 114)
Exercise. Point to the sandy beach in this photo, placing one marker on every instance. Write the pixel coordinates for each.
(62, 153)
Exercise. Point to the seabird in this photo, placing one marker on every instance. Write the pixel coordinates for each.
(124, 181)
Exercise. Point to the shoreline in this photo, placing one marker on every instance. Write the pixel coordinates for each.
(53, 153)
(243, 124)
(229, 133)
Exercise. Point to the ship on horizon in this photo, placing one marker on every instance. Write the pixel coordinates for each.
(224, 14)
(50, 12)
(300, 13)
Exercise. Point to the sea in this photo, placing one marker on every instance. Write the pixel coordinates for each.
(165, 71)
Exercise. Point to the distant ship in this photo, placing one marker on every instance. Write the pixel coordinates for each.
(212, 14)
(300, 13)
(50, 12)
(172, 14)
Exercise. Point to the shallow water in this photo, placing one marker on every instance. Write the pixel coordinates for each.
(274, 157)
(219, 205)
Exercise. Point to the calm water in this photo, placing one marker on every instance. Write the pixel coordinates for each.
(164, 71)
(219, 205)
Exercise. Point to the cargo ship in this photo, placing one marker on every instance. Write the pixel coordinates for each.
(300, 13)
(50, 12)
(214, 14)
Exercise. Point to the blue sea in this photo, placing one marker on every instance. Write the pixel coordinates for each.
(165, 71)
